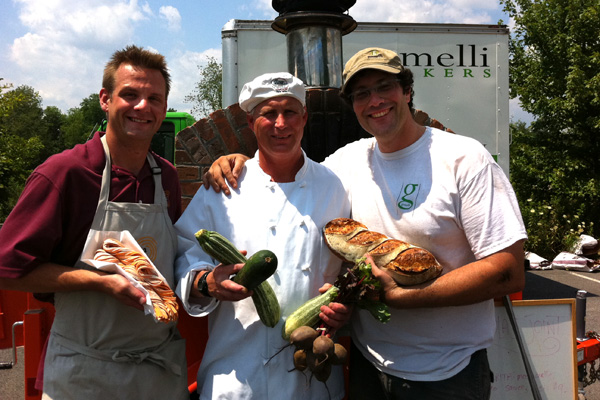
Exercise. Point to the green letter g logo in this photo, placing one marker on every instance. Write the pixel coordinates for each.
(405, 202)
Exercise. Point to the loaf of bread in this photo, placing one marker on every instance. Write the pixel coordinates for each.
(137, 265)
(406, 263)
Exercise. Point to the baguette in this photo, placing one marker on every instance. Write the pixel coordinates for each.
(135, 264)
(407, 264)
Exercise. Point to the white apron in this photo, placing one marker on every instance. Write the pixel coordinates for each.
(102, 349)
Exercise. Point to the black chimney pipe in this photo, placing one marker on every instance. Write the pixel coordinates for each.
(314, 30)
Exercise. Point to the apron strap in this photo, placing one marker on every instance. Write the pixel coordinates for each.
(137, 357)
(159, 195)
(104, 188)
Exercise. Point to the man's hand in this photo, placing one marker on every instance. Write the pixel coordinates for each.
(389, 287)
(387, 282)
(123, 290)
(221, 287)
(336, 315)
(226, 167)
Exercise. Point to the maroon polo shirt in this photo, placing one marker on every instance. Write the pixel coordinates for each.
(51, 220)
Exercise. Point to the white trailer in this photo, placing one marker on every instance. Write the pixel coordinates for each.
(461, 71)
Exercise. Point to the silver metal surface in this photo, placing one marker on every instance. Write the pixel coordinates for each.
(315, 55)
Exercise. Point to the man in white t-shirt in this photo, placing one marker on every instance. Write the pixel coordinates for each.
(442, 192)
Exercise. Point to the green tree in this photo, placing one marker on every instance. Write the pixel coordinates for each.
(25, 117)
(53, 139)
(207, 95)
(81, 122)
(555, 70)
(19, 147)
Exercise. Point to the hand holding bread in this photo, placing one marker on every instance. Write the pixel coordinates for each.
(406, 263)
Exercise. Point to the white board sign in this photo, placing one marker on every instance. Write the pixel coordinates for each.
(548, 330)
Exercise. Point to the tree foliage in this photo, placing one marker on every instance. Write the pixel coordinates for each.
(53, 139)
(30, 134)
(207, 95)
(81, 122)
(555, 70)
(20, 147)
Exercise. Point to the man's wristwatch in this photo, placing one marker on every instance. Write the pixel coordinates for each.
(203, 286)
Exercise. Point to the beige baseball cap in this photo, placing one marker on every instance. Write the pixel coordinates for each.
(267, 86)
(371, 58)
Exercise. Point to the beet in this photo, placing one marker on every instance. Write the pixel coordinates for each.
(340, 355)
(303, 337)
(323, 373)
(300, 362)
(323, 347)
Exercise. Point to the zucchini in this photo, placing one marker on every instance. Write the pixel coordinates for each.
(267, 306)
(308, 313)
(257, 269)
(218, 247)
(253, 275)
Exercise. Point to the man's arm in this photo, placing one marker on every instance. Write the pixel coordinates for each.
(497, 275)
(220, 286)
(226, 167)
(50, 277)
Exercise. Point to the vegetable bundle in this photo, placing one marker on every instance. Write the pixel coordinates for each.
(356, 286)
(316, 352)
(253, 275)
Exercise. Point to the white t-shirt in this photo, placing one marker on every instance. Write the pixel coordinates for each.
(446, 194)
(286, 218)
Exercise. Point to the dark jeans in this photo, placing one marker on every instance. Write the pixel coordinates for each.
(368, 383)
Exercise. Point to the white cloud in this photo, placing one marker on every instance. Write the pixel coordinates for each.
(264, 7)
(81, 19)
(63, 54)
(410, 11)
(62, 72)
(171, 14)
(185, 75)
(424, 11)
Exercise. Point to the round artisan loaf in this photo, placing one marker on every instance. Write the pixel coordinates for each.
(349, 239)
(407, 264)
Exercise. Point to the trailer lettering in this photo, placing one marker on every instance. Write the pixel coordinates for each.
(466, 56)
(441, 57)
(416, 58)
(450, 73)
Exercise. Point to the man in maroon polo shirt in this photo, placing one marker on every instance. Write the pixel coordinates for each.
(101, 344)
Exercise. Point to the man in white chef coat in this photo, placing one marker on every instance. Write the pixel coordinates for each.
(285, 202)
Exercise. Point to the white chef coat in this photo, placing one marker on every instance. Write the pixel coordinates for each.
(286, 218)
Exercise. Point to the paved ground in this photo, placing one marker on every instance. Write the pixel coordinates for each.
(550, 284)
(11, 380)
(560, 284)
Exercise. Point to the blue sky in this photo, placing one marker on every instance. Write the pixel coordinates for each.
(59, 47)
